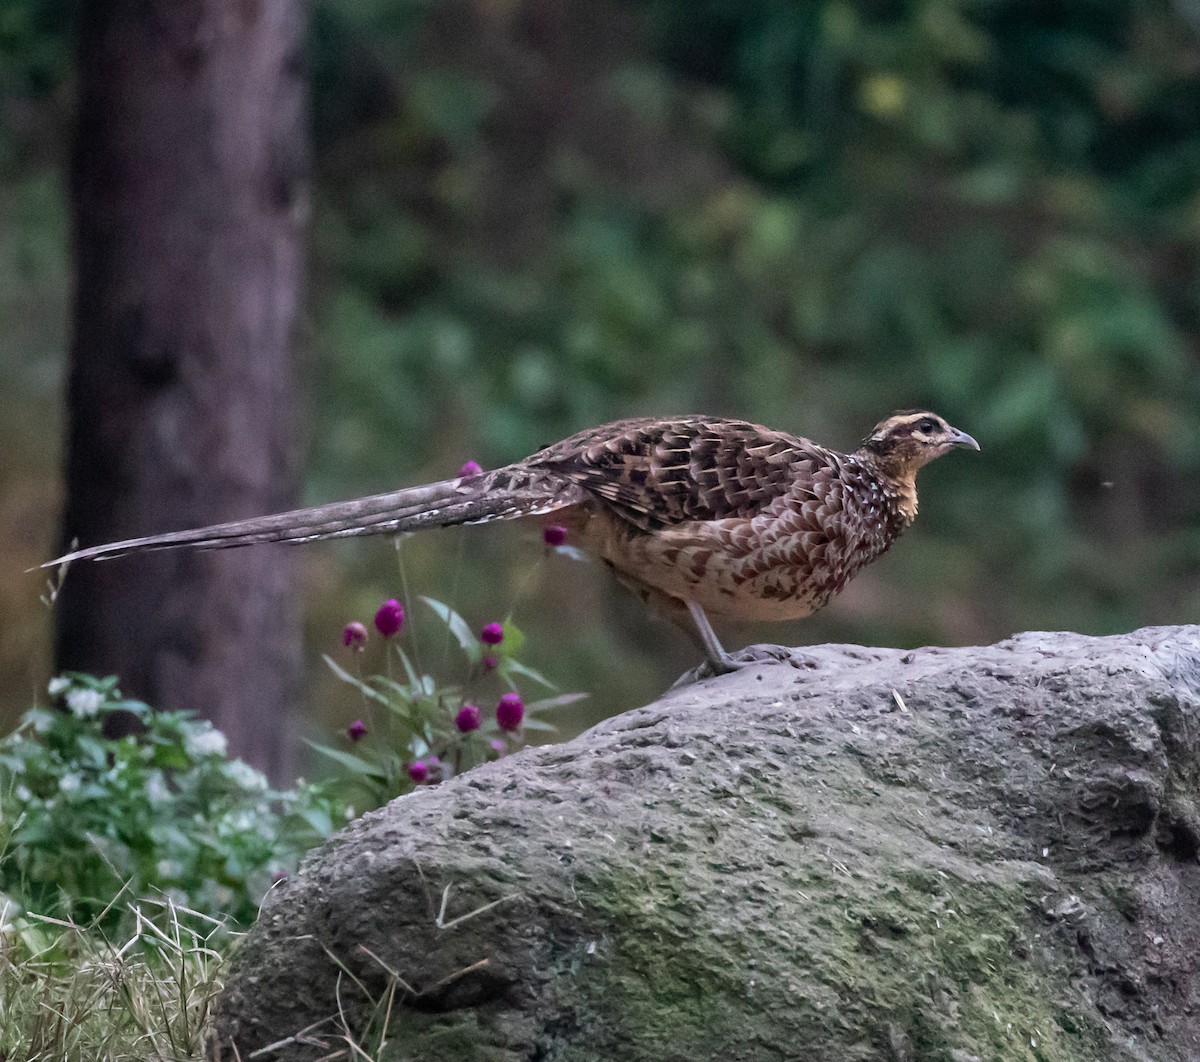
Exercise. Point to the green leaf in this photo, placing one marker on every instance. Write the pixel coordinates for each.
(547, 703)
(459, 627)
(539, 724)
(516, 667)
(403, 703)
(90, 751)
(318, 820)
(34, 831)
(139, 708)
(170, 756)
(347, 759)
(351, 680)
(414, 681)
(514, 639)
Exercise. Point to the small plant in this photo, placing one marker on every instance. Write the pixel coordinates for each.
(86, 816)
(413, 730)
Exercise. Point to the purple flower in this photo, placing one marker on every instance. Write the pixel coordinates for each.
(498, 749)
(390, 618)
(510, 711)
(468, 718)
(354, 636)
(469, 469)
(554, 534)
(418, 771)
(490, 663)
(492, 634)
(278, 876)
(357, 730)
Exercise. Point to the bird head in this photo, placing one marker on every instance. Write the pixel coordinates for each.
(903, 442)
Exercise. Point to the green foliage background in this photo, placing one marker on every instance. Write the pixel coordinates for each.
(531, 216)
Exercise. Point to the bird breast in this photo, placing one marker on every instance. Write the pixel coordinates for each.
(784, 562)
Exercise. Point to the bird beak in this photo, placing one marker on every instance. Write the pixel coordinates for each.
(961, 438)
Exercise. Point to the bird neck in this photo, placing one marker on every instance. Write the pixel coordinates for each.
(898, 481)
(904, 490)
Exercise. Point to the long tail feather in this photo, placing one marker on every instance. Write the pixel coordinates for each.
(476, 499)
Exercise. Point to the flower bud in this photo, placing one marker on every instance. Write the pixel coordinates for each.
(468, 718)
(354, 636)
(390, 618)
(492, 634)
(510, 711)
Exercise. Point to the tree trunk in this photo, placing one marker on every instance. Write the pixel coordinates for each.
(189, 191)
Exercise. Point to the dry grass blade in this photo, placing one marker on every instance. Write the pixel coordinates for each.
(79, 996)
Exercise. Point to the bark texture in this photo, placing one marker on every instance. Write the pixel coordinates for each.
(189, 191)
(942, 855)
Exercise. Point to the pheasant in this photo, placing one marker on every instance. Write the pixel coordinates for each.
(697, 515)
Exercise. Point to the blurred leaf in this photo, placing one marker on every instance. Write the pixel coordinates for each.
(561, 701)
(517, 668)
(365, 688)
(347, 759)
(467, 639)
(514, 638)
(539, 725)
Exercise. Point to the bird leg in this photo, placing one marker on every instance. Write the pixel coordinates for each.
(719, 661)
(690, 618)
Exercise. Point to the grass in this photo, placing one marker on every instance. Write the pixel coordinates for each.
(67, 992)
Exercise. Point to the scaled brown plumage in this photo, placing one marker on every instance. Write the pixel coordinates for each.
(698, 515)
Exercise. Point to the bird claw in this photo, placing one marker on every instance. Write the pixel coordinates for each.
(762, 653)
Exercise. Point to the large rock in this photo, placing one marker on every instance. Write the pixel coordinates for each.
(943, 854)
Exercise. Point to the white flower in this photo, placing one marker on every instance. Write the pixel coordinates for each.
(70, 783)
(23, 794)
(207, 742)
(169, 868)
(157, 791)
(58, 684)
(242, 822)
(84, 703)
(245, 776)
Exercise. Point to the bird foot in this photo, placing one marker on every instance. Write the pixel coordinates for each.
(761, 653)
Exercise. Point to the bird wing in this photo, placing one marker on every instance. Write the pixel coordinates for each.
(660, 473)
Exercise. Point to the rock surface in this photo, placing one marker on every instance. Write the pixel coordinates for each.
(944, 854)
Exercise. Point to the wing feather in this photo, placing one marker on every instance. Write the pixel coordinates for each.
(656, 474)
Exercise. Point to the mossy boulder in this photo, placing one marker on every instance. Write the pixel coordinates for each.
(941, 854)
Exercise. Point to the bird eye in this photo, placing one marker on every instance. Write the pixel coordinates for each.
(928, 425)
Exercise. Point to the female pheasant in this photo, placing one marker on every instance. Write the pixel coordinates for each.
(698, 515)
